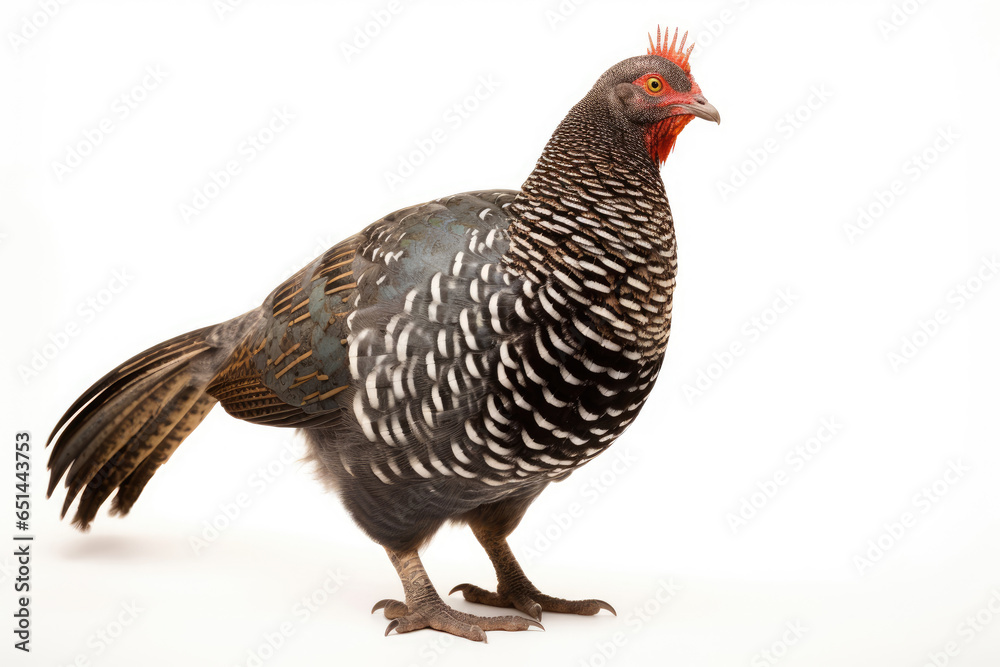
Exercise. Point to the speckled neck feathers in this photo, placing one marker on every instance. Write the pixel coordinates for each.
(593, 221)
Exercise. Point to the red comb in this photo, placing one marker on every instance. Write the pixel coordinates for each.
(675, 53)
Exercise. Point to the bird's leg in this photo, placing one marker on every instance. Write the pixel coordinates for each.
(514, 589)
(424, 608)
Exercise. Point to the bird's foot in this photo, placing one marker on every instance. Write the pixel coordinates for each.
(523, 596)
(434, 613)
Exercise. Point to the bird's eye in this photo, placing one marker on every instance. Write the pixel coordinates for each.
(654, 85)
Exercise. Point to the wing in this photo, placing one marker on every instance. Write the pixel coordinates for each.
(294, 370)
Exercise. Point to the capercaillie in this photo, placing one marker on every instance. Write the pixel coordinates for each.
(449, 361)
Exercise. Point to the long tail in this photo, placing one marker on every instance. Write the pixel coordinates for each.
(130, 421)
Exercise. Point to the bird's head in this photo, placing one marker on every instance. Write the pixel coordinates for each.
(655, 94)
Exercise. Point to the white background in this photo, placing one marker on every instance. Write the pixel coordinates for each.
(662, 513)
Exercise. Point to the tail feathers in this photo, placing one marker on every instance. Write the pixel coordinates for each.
(133, 485)
(129, 423)
(150, 419)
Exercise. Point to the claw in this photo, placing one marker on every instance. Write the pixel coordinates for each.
(391, 627)
(380, 605)
(604, 605)
(536, 612)
(535, 623)
(460, 587)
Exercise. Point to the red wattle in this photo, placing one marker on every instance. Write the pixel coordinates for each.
(660, 137)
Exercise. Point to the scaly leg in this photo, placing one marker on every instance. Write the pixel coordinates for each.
(424, 608)
(514, 589)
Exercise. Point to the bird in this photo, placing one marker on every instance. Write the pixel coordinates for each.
(446, 363)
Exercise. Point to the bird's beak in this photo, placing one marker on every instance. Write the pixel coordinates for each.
(701, 108)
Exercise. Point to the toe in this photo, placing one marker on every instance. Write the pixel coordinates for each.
(507, 623)
(393, 608)
(524, 601)
(445, 619)
(581, 607)
(453, 624)
(524, 597)
(481, 595)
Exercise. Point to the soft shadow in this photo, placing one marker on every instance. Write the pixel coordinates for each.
(121, 548)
